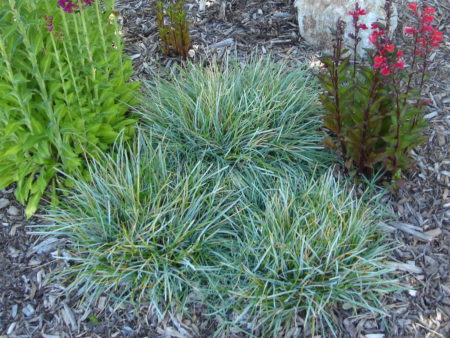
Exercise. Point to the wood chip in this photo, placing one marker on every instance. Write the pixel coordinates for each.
(433, 234)
(11, 328)
(69, 317)
(409, 228)
(405, 267)
(202, 5)
(224, 43)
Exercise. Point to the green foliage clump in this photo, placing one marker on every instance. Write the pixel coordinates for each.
(261, 116)
(309, 248)
(63, 92)
(141, 231)
(174, 35)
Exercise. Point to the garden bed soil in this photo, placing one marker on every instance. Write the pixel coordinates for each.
(33, 305)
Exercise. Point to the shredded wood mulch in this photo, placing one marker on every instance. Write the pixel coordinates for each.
(32, 305)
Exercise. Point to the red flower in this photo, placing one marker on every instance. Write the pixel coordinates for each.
(389, 48)
(427, 19)
(379, 61)
(377, 38)
(411, 31)
(357, 12)
(356, 25)
(428, 10)
(413, 7)
(426, 29)
(399, 65)
(436, 37)
(386, 63)
(427, 37)
(385, 71)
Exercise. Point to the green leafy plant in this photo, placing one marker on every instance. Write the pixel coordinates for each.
(63, 91)
(374, 112)
(259, 117)
(309, 248)
(144, 230)
(174, 35)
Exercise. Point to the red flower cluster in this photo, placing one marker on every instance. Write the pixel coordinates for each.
(427, 36)
(356, 14)
(356, 25)
(383, 62)
(386, 59)
(377, 35)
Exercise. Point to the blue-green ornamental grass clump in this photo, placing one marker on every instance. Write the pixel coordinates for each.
(261, 116)
(142, 231)
(64, 91)
(312, 247)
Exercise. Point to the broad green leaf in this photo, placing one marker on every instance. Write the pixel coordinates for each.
(32, 204)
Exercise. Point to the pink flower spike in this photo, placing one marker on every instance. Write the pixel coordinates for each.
(87, 2)
(67, 5)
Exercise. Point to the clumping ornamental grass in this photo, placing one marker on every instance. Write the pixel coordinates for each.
(140, 232)
(312, 247)
(261, 116)
(217, 202)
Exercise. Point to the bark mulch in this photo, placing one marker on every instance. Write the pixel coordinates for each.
(32, 305)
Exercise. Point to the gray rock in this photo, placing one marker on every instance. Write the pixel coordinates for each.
(4, 203)
(13, 211)
(317, 20)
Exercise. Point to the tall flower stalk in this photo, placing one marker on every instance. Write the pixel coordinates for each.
(373, 113)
